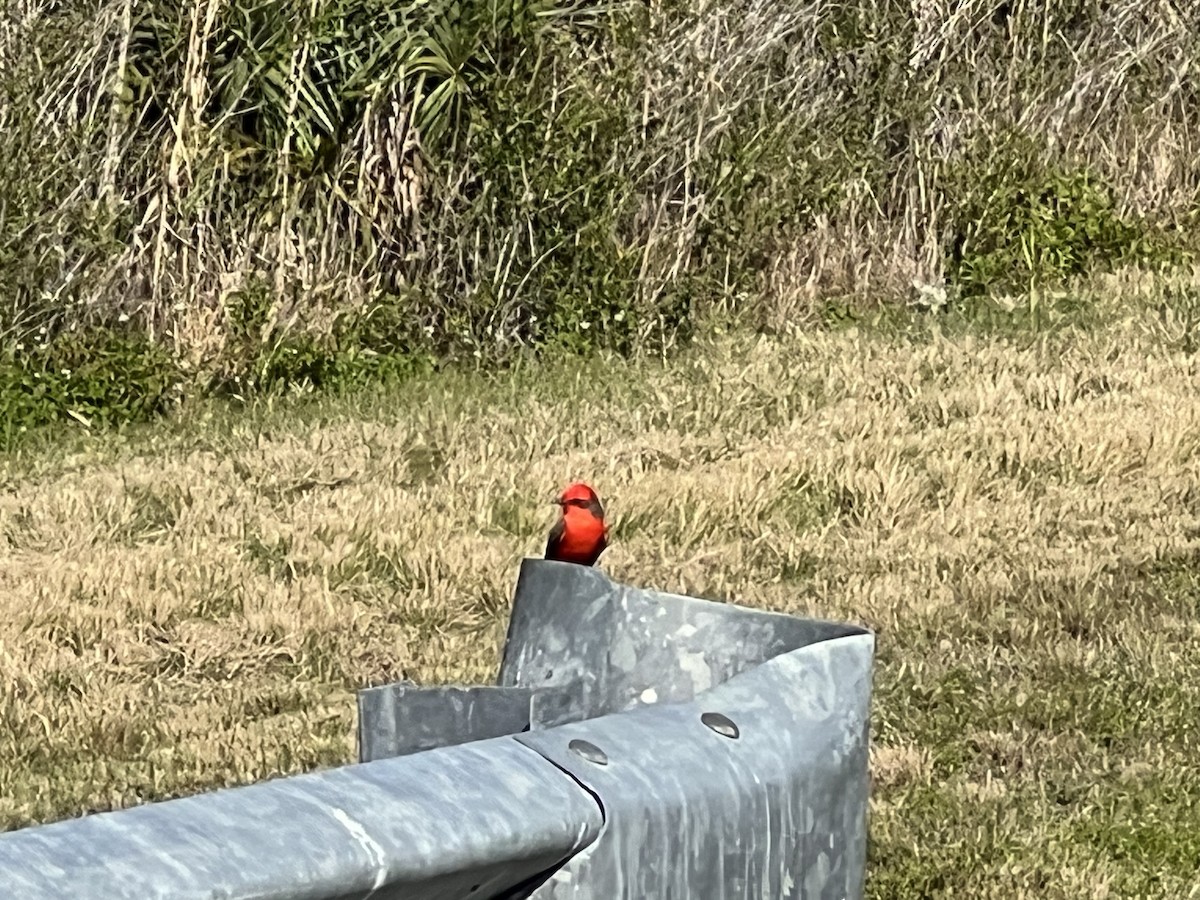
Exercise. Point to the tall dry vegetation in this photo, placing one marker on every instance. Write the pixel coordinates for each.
(260, 192)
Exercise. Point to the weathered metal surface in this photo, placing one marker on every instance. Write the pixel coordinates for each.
(471, 821)
(398, 719)
(727, 746)
(582, 646)
(779, 811)
(730, 751)
(621, 647)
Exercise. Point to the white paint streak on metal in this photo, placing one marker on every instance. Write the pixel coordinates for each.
(367, 842)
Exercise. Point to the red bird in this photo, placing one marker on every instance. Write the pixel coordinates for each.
(580, 535)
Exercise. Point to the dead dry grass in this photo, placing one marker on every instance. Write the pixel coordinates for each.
(1016, 514)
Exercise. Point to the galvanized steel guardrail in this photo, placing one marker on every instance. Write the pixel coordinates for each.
(638, 745)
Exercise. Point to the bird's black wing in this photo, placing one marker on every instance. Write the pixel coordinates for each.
(556, 535)
(601, 546)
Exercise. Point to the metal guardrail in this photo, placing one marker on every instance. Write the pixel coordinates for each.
(638, 745)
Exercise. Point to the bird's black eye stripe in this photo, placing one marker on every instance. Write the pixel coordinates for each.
(592, 505)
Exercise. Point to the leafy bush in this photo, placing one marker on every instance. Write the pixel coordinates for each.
(379, 340)
(100, 377)
(1023, 225)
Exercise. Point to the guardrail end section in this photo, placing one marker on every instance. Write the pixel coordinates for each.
(757, 788)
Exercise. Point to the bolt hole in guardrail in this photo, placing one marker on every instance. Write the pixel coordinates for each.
(722, 725)
(588, 751)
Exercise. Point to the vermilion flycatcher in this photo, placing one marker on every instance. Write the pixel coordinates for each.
(580, 535)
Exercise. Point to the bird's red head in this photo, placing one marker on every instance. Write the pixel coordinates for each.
(577, 494)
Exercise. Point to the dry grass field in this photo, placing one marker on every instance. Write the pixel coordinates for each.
(1014, 510)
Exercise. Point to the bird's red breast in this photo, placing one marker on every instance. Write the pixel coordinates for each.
(580, 535)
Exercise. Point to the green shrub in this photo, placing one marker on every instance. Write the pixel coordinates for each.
(1019, 221)
(1021, 225)
(382, 340)
(101, 377)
